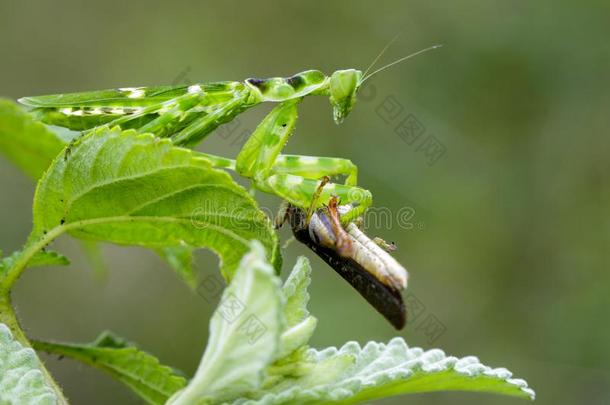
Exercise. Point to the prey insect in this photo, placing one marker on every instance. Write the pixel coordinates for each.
(371, 270)
(187, 114)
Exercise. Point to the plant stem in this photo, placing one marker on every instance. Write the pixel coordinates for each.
(7, 314)
(12, 274)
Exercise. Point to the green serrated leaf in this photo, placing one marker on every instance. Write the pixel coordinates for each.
(135, 368)
(244, 334)
(134, 189)
(29, 144)
(180, 259)
(21, 379)
(383, 370)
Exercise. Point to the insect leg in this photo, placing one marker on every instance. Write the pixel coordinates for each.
(125, 121)
(217, 161)
(257, 157)
(388, 247)
(299, 191)
(216, 115)
(171, 113)
(316, 197)
(293, 182)
(260, 156)
(344, 244)
(282, 215)
(312, 167)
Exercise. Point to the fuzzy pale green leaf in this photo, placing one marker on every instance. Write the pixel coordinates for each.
(300, 326)
(137, 369)
(244, 334)
(354, 374)
(134, 189)
(295, 292)
(29, 144)
(382, 370)
(21, 379)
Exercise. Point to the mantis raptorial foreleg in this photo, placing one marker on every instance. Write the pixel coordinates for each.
(310, 167)
(313, 167)
(299, 189)
(295, 178)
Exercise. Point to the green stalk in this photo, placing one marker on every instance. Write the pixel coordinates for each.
(7, 313)
(12, 274)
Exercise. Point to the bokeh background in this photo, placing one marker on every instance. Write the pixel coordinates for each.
(508, 242)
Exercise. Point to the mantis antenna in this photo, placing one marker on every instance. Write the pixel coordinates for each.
(385, 48)
(399, 60)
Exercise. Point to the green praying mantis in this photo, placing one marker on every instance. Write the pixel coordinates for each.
(187, 114)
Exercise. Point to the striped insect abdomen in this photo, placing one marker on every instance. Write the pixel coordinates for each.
(129, 107)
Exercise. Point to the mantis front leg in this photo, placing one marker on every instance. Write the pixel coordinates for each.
(296, 178)
(313, 167)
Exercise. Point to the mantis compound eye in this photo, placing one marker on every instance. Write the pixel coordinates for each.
(344, 85)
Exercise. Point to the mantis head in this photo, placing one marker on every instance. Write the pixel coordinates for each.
(344, 85)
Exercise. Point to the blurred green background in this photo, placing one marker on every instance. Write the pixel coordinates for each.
(508, 249)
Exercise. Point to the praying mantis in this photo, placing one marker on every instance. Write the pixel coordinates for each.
(187, 114)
